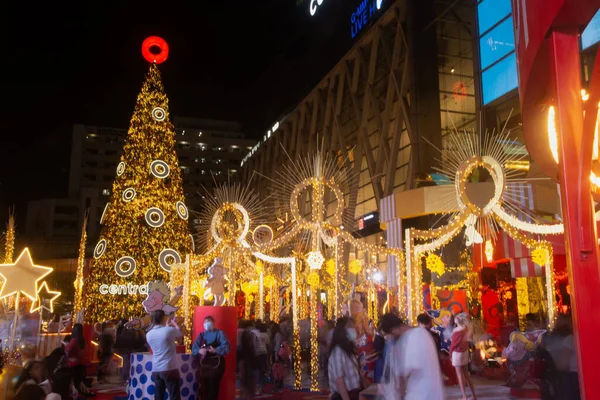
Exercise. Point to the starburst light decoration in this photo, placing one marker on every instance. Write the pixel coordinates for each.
(465, 156)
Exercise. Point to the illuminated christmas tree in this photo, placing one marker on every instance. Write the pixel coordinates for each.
(145, 224)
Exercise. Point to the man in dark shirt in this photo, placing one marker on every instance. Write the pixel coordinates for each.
(424, 321)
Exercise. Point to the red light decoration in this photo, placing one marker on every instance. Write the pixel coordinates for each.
(459, 91)
(151, 45)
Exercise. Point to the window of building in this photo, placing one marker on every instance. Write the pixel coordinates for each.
(67, 210)
(201, 146)
(64, 225)
(105, 192)
(89, 177)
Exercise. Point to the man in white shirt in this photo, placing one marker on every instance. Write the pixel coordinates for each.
(413, 360)
(161, 339)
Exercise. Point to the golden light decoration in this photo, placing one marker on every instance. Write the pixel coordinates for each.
(246, 287)
(315, 259)
(269, 281)
(465, 156)
(435, 264)
(123, 227)
(540, 256)
(313, 279)
(330, 267)
(489, 250)
(50, 295)
(260, 266)
(78, 283)
(553, 139)
(314, 335)
(231, 209)
(9, 239)
(354, 267)
(22, 276)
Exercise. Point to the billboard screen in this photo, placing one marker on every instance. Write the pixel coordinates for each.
(591, 34)
(496, 49)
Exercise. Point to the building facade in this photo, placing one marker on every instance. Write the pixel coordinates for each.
(385, 107)
(417, 72)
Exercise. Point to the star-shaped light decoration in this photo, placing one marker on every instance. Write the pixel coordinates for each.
(315, 259)
(39, 301)
(22, 277)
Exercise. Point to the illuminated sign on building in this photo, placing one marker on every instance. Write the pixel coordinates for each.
(313, 5)
(368, 220)
(129, 289)
(365, 13)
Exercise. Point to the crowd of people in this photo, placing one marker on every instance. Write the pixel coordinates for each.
(409, 362)
(60, 375)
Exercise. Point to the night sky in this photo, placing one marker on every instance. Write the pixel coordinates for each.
(248, 61)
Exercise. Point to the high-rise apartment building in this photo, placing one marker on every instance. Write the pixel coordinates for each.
(209, 151)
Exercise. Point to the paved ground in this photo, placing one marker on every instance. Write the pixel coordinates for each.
(484, 389)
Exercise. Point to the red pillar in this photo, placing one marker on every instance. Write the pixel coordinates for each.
(577, 206)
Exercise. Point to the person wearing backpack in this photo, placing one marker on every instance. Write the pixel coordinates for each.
(211, 346)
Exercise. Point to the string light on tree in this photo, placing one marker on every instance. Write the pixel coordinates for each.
(142, 217)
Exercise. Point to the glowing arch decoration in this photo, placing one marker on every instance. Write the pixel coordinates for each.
(463, 155)
(155, 50)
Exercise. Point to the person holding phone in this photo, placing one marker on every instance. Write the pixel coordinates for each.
(211, 346)
(161, 339)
